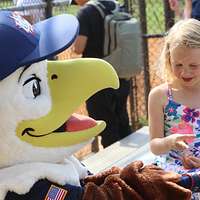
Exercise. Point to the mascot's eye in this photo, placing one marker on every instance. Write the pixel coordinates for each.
(31, 87)
(36, 88)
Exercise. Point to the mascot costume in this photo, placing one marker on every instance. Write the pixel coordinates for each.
(39, 132)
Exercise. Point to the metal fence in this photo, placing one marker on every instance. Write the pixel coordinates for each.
(155, 17)
(38, 9)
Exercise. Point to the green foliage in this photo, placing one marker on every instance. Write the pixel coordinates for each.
(143, 121)
(7, 3)
(155, 16)
(72, 9)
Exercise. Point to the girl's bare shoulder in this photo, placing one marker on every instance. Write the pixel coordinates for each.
(159, 90)
(159, 93)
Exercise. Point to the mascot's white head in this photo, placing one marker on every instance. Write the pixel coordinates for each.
(38, 97)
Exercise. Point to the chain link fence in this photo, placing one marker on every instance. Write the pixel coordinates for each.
(37, 9)
(155, 17)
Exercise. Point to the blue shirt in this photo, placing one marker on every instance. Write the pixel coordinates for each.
(42, 188)
(196, 9)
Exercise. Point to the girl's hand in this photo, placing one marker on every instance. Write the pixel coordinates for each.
(177, 141)
(190, 162)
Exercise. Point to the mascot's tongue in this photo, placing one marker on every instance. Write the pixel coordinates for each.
(79, 122)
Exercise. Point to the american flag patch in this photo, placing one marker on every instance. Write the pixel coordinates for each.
(56, 193)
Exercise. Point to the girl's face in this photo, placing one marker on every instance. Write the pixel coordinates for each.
(185, 63)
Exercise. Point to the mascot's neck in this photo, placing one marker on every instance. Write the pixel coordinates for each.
(29, 173)
(13, 152)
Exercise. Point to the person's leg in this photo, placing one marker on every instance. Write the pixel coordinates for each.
(121, 108)
(101, 106)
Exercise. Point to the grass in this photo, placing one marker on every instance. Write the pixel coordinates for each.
(155, 16)
(72, 9)
(4, 4)
(154, 10)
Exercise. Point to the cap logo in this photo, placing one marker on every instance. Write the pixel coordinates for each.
(22, 23)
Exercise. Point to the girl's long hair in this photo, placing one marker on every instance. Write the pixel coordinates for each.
(184, 33)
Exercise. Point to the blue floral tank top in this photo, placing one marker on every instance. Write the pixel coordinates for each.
(180, 119)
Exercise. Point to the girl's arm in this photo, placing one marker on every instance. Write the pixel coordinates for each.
(187, 9)
(174, 5)
(80, 44)
(158, 143)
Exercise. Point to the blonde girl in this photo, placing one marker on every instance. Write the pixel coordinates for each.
(174, 107)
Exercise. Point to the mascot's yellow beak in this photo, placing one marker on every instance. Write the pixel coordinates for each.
(71, 83)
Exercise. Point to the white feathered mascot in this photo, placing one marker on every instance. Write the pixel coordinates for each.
(38, 130)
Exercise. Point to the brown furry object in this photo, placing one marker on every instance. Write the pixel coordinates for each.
(113, 188)
(99, 178)
(135, 182)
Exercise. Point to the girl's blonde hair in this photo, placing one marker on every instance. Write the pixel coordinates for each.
(183, 33)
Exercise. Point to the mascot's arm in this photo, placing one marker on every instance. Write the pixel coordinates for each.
(136, 182)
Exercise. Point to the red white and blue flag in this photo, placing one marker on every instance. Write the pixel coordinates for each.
(56, 193)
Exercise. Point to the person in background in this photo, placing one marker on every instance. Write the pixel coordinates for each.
(37, 13)
(109, 105)
(33, 15)
(174, 107)
(191, 9)
(175, 6)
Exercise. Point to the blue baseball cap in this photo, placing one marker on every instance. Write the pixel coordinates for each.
(23, 44)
